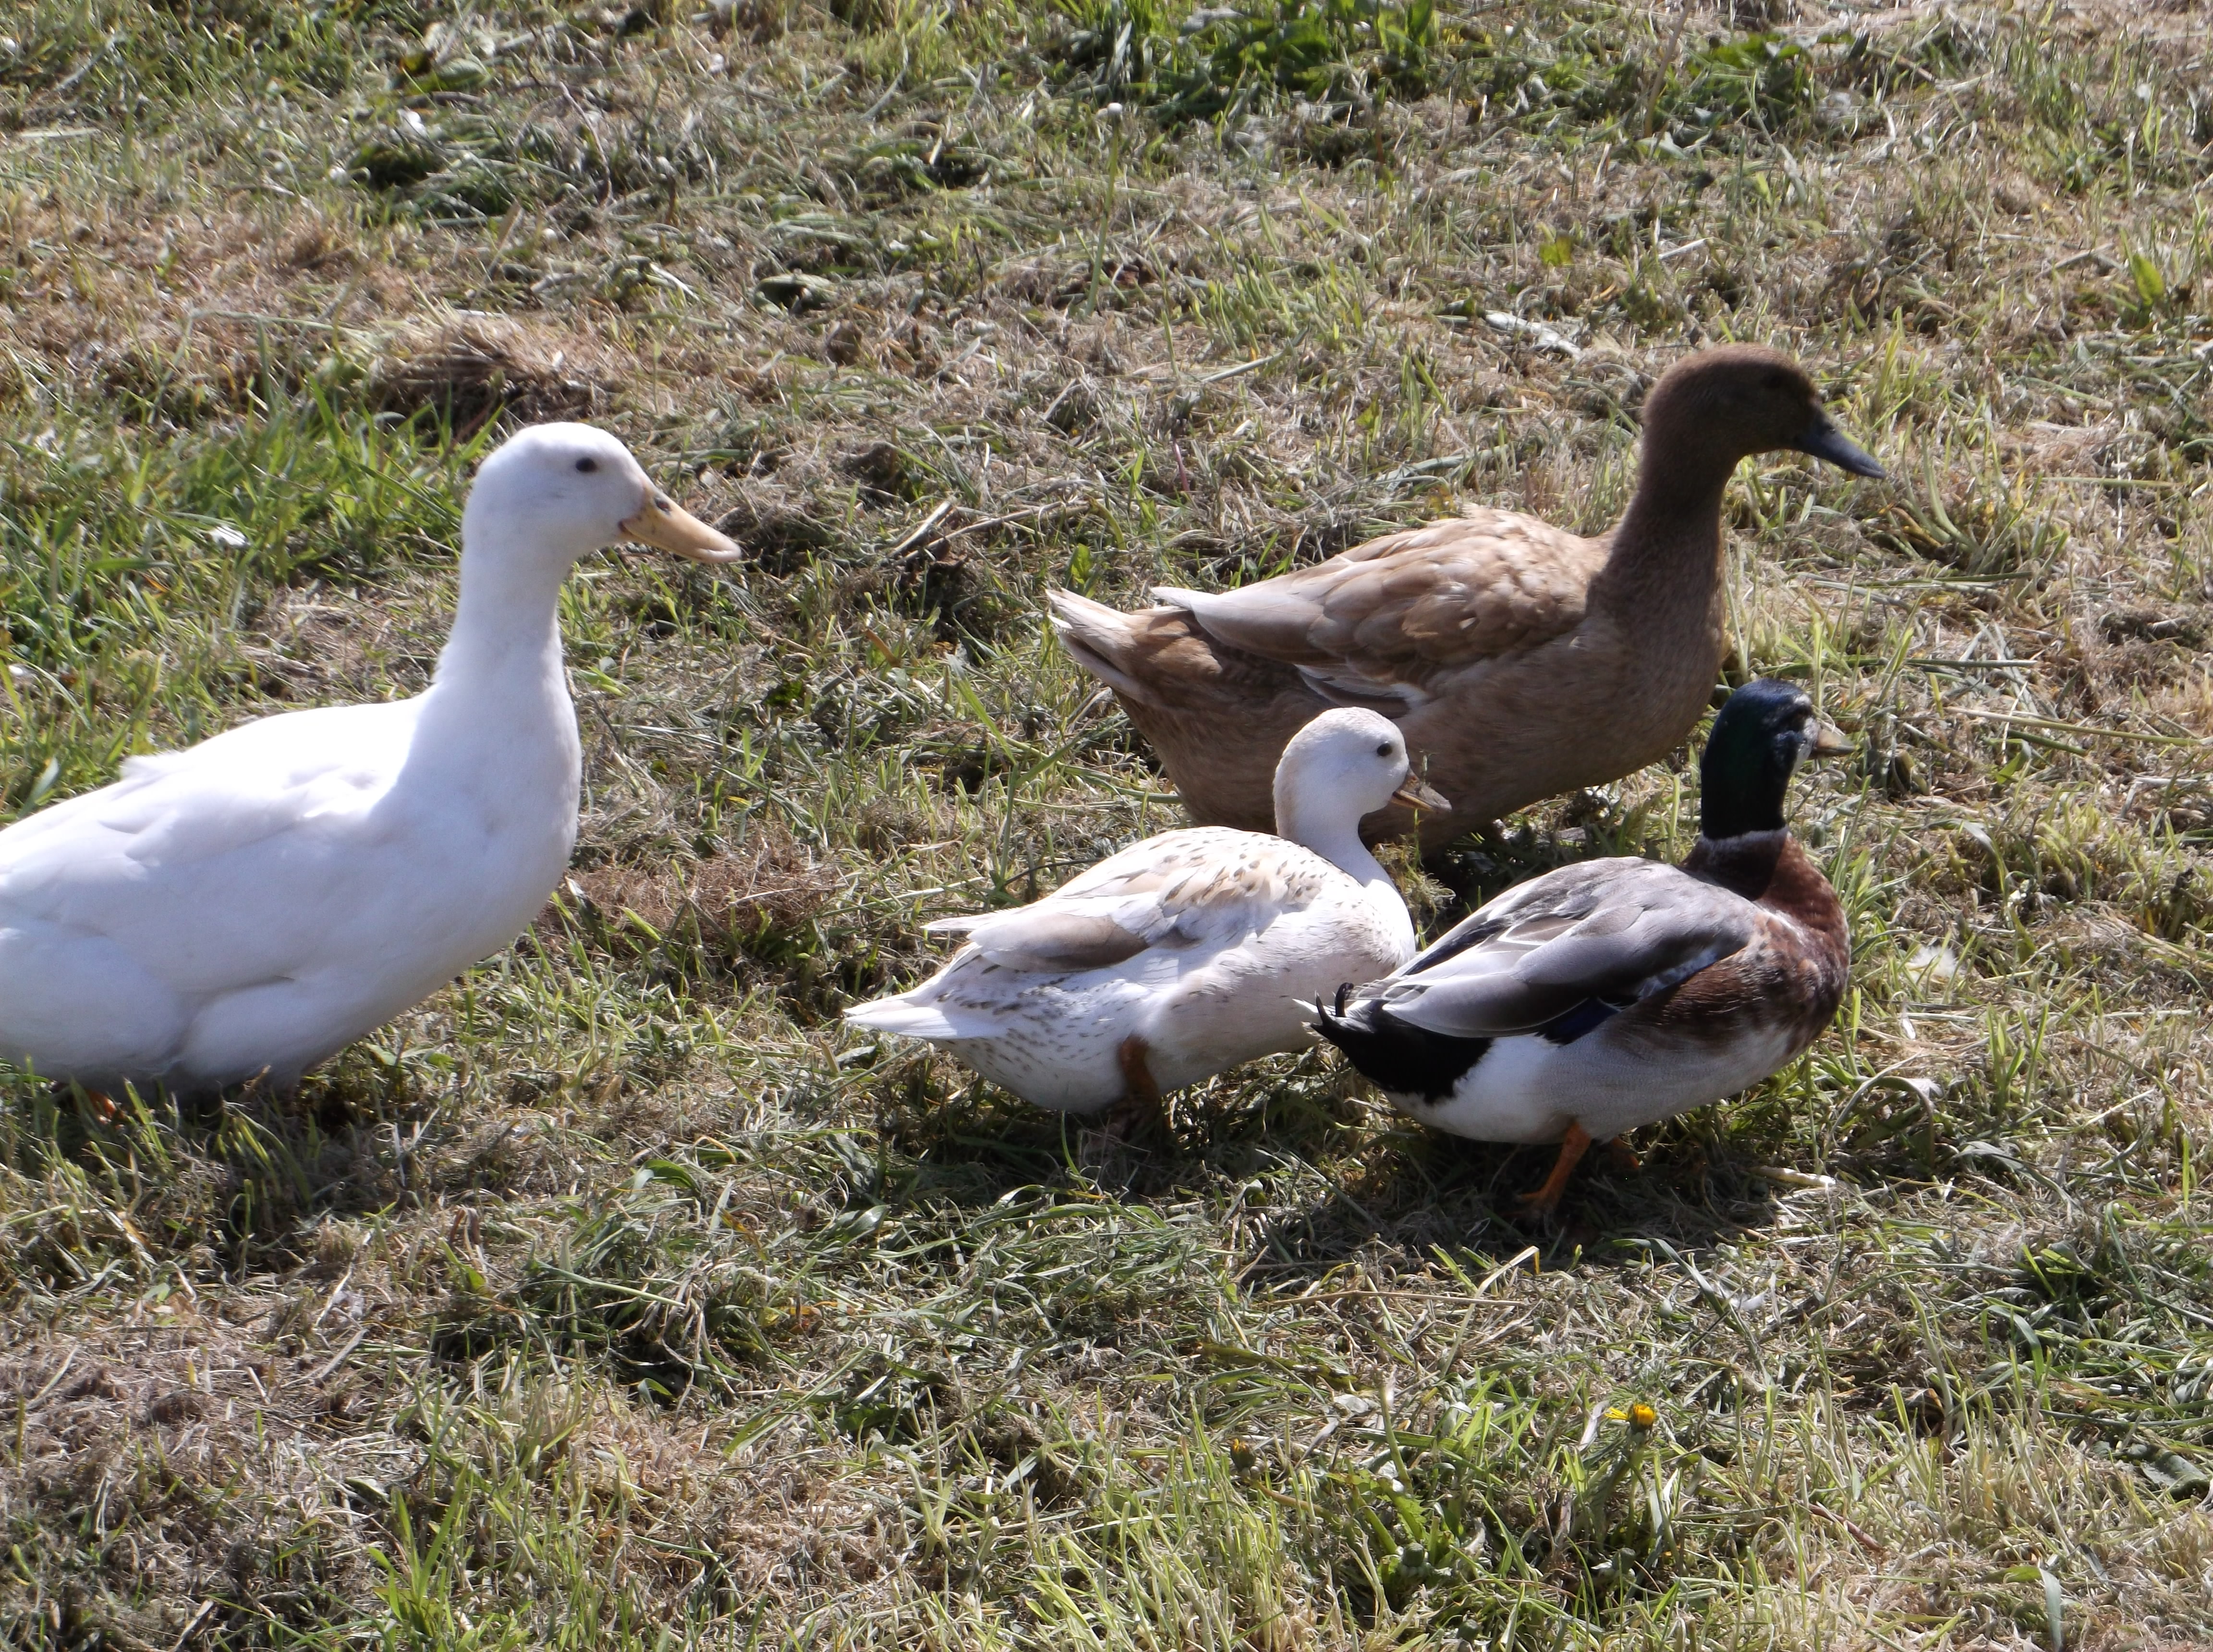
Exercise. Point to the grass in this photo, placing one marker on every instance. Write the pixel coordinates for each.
(619, 1298)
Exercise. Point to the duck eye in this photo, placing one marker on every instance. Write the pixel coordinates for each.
(587, 466)
(1384, 750)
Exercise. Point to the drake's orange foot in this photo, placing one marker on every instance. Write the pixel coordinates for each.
(1546, 1200)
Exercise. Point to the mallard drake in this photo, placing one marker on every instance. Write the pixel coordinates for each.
(1186, 954)
(1521, 660)
(252, 905)
(1606, 996)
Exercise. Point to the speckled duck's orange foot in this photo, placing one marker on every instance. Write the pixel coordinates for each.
(1545, 1201)
(1141, 1113)
(1620, 1158)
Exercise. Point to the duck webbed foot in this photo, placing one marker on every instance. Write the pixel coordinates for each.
(1141, 1113)
(1545, 1201)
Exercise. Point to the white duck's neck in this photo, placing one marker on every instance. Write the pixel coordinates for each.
(499, 680)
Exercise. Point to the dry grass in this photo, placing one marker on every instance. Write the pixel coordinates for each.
(619, 1298)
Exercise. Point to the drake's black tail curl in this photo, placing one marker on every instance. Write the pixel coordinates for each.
(1403, 1059)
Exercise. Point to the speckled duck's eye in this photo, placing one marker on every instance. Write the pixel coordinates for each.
(587, 466)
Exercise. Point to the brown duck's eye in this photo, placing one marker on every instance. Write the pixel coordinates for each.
(587, 466)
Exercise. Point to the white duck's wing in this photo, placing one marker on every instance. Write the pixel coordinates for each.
(207, 864)
(1611, 931)
(1375, 624)
(1206, 888)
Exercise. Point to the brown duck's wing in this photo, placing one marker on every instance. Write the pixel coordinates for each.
(1380, 621)
(1160, 657)
(1614, 930)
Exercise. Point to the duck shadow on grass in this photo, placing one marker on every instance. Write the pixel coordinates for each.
(1392, 1185)
(250, 1168)
(1418, 1191)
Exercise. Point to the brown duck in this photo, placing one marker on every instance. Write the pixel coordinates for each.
(1521, 661)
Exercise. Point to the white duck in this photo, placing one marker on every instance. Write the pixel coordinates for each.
(1186, 954)
(254, 904)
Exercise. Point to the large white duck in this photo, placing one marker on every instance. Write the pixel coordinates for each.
(1186, 954)
(254, 904)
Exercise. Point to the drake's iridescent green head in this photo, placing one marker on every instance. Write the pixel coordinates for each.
(1760, 738)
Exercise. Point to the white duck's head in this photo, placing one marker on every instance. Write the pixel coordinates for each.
(561, 491)
(1343, 766)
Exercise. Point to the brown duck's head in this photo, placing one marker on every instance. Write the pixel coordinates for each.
(1720, 404)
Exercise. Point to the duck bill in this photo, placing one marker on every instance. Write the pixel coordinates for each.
(1416, 793)
(1824, 441)
(664, 525)
(1829, 740)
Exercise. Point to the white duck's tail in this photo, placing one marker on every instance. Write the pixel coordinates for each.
(1098, 638)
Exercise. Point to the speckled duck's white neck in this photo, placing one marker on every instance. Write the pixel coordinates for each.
(1320, 817)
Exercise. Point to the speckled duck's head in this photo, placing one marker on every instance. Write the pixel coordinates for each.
(1759, 737)
(1345, 764)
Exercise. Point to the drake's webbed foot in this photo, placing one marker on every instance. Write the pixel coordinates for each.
(1546, 1200)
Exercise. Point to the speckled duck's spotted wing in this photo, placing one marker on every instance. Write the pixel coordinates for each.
(1209, 886)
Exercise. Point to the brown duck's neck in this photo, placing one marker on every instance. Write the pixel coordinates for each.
(1664, 555)
(1774, 869)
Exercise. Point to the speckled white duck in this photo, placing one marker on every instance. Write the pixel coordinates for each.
(252, 905)
(1186, 954)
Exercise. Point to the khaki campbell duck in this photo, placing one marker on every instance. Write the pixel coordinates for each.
(1522, 660)
(1613, 994)
(1185, 954)
(254, 903)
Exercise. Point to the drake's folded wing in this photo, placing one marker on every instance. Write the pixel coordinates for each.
(1612, 930)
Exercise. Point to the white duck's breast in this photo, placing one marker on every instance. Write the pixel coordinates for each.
(262, 899)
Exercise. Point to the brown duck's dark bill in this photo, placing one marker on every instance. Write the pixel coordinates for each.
(1825, 441)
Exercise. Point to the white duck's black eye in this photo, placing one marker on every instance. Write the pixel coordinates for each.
(587, 466)
(1384, 750)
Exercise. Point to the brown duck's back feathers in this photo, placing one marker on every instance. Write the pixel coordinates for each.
(1410, 606)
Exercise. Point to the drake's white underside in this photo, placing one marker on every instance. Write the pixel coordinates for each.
(1528, 1089)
